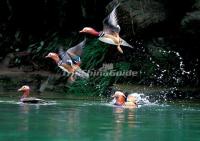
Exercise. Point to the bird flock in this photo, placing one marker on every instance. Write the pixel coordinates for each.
(69, 61)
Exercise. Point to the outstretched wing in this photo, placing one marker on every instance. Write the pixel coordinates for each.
(77, 50)
(110, 23)
(65, 56)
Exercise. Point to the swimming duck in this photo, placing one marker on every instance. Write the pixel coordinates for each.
(25, 97)
(70, 61)
(110, 33)
(120, 99)
(131, 101)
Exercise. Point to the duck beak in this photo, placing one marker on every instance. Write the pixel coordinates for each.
(113, 95)
(20, 89)
(81, 31)
(47, 56)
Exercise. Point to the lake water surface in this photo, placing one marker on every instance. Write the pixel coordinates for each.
(80, 120)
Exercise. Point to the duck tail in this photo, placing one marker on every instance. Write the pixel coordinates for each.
(124, 43)
(81, 74)
(71, 79)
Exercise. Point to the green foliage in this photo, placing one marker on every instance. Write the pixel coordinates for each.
(122, 66)
(42, 48)
(92, 59)
(94, 54)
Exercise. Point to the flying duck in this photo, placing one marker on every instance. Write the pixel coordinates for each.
(110, 33)
(69, 61)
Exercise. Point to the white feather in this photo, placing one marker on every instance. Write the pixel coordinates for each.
(65, 70)
(107, 40)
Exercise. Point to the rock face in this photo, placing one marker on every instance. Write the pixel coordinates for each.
(191, 21)
(139, 15)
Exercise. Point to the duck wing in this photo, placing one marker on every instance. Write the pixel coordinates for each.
(65, 57)
(77, 50)
(110, 23)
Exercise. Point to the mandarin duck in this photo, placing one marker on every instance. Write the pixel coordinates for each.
(70, 61)
(110, 33)
(25, 97)
(120, 99)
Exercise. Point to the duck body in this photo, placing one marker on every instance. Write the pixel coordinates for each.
(32, 100)
(26, 99)
(69, 68)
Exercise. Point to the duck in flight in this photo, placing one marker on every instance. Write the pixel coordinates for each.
(69, 61)
(110, 33)
(25, 97)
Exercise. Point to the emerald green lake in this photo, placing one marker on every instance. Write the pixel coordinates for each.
(81, 120)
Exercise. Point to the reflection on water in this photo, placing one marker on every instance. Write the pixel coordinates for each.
(122, 116)
(119, 118)
(23, 118)
(94, 121)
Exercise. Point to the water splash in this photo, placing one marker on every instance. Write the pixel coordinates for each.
(177, 75)
(141, 100)
(181, 64)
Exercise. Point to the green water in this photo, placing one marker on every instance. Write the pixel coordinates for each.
(97, 121)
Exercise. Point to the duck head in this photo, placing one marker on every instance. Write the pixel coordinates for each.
(90, 31)
(120, 98)
(131, 101)
(53, 56)
(25, 89)
(131, 98)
